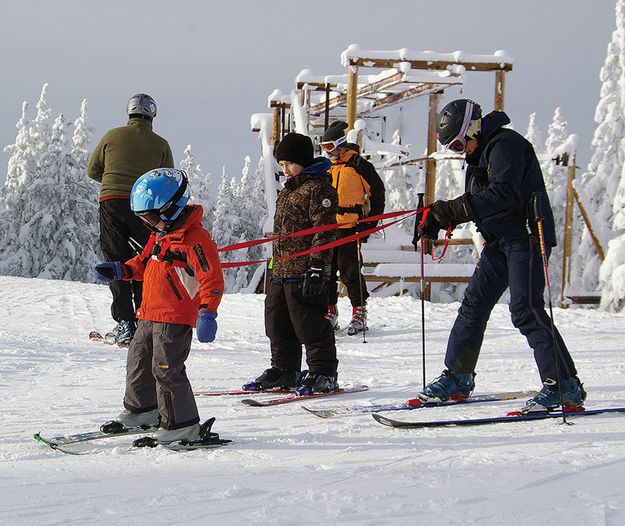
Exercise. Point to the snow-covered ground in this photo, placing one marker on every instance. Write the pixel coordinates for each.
(287, 466)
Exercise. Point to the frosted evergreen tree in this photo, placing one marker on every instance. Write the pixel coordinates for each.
(226, 227)
(21, 163)
(603, 187)
(252, 211)
(80, 237)
(399, 194)
(201, 186)
(533, 134)
(555, 175)
(53, 222)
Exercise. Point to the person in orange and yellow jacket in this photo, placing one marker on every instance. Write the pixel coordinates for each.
(182, 288)
(361, 193)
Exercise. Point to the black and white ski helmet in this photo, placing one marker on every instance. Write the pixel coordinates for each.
(142, 104)
(455, 118)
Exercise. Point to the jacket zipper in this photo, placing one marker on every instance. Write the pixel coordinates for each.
(173, 286)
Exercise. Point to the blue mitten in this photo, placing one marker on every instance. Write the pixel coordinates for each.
(109, 271)
(206, 326)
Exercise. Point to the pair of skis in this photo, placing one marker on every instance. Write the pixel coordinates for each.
(209, 439)
(291, 397)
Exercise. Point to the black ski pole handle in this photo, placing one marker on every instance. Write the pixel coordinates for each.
(420, 203)
(535, 202)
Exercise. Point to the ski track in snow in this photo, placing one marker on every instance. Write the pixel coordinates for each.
(285, 465)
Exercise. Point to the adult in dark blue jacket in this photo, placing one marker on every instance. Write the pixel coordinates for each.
(502, 174)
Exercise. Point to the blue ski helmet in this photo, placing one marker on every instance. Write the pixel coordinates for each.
(163, 192)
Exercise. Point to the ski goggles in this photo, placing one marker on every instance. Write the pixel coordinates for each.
(458, 143)
(330, 146)
(150, 218)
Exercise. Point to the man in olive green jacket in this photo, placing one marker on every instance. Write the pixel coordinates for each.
(122, 156)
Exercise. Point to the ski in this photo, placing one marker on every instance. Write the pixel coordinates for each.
(296, 398)
(59, 442)
(235, 392)
(415, 403)
(511, 417)
(108, 338)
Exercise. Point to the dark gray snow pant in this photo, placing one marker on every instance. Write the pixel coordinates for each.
(156, 375)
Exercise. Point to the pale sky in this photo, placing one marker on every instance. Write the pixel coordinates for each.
(211, 64)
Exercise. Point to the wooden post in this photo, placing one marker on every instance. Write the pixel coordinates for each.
(352, 95)
(500, 85)
(567, 247)
(275, 132)
(430, 169)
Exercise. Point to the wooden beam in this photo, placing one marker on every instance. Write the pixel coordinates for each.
(410, 93)
(416, 279)
(275, 130)
(567, 247)
(352, 95)
(431, 64)
(595, 239)
(430, 165)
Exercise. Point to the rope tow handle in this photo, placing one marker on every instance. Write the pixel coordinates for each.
(331, 244)
(317, 229)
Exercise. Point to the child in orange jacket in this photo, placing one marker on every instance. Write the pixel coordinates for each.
(182, 288)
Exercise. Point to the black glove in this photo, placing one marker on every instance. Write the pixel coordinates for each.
(313, 282)
(361, 227)
(452, 213)
(429, 230)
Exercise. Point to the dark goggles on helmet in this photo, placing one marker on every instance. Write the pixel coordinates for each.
(330, 146)
(150, 217)
(458, 143)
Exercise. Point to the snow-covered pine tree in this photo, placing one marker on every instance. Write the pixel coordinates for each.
(251, 195)
(53, 221)
(226, 227)
(603, 185)
(78, 237)
(400, 195)
(533, 134)
(555, 175)
(21, 164)
(201, 186)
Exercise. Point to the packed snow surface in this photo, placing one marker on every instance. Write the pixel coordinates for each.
(285, 465)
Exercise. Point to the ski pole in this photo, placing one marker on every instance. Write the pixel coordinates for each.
(538, 218)
(362, 296)
(420, 205)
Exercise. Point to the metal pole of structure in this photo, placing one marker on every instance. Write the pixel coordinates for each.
(326, 117)
(352, 95)
(500, 85)
(567, 247)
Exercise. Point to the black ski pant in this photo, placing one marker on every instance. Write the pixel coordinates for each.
(117, 224)
(291, 320)
(156, 375)
(346, 263)
(516, 264)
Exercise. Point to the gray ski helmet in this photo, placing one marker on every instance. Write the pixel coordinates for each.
(142, 104)
(455, 118)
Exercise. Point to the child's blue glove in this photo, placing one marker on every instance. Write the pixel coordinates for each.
(109, 271)
(206, 326)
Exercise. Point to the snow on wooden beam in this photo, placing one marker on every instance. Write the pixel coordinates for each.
(354, 56)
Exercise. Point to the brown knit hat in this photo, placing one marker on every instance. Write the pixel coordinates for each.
(295, 148)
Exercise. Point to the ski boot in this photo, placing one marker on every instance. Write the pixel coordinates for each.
(311, 383)
(333, 317)
(359, 321)
(127, 420)
(125, 332)
(549, 396)
(272, 378)
(189, 438)
(454, 386)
